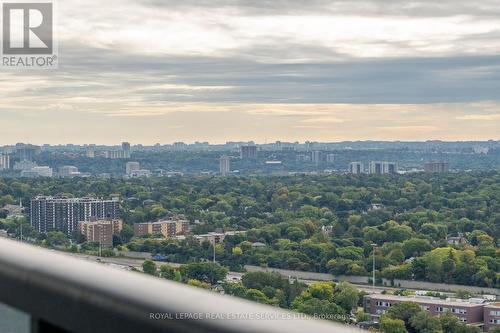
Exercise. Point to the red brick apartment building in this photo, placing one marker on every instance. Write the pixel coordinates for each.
(168, 228)
(473, 311)
(101, 231)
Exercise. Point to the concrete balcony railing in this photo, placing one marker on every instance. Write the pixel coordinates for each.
(42, 291)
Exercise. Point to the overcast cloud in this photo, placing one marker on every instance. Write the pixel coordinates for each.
(161, 71)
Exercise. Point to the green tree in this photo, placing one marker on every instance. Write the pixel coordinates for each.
(346, 296)
(322, 309)
(404, 311)
(57, 238)
(204, 271)
(449, 323)
(424, 322)
(167, 272)
(415, 247)
(389, 325)
(149, 267)
(362, 316)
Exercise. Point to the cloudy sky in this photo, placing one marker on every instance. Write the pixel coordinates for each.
(152, 71)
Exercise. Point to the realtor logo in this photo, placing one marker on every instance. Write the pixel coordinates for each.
(28, 35)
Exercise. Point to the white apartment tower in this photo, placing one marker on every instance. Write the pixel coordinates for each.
(379, 168)
(356, 168)
(224, 165)
(4, 162)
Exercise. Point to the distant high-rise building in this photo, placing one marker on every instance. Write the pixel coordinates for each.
(113, 154)
(436, 167)
(26, 151)
(378, 168)
(248, 152)
(90, 151)
(302, 158)
(126, 149)
(101, 231)
(124, 152)
(390, 167)
(375, 167)
(317, 156)
(356, 168)
(180, 146)
(64, 214)
(4, 162)
(224, 165)
(330, 158)
(131, 167)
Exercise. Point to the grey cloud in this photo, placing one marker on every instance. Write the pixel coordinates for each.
(95, 72)
(424, 8)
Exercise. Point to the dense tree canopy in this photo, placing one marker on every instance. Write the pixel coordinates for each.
(322, 223)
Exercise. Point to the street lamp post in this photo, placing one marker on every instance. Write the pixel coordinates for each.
(100, 240)
(374, 246)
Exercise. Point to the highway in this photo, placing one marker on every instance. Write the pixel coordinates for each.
(129, 263)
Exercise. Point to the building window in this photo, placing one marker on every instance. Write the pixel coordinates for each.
(384, 304)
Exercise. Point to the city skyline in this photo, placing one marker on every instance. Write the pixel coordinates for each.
(240, 71)
(200, 141)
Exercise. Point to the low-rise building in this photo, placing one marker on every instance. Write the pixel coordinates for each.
(14, 210)
(140, 173)
(101, 231)
(168, 228)
(467, 311)
(24, 165)
(456, 240)
(131, 167)
(68, 171)
(491, 316)
(211, 237)
(37, 171)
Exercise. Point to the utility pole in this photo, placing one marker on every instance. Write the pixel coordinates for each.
(21, 227)
(214, 249)
(374, 246)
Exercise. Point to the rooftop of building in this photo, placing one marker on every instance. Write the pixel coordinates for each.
(100, 221)
(164, 221)
(430, 300)
(66, 199)
(493, 305)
